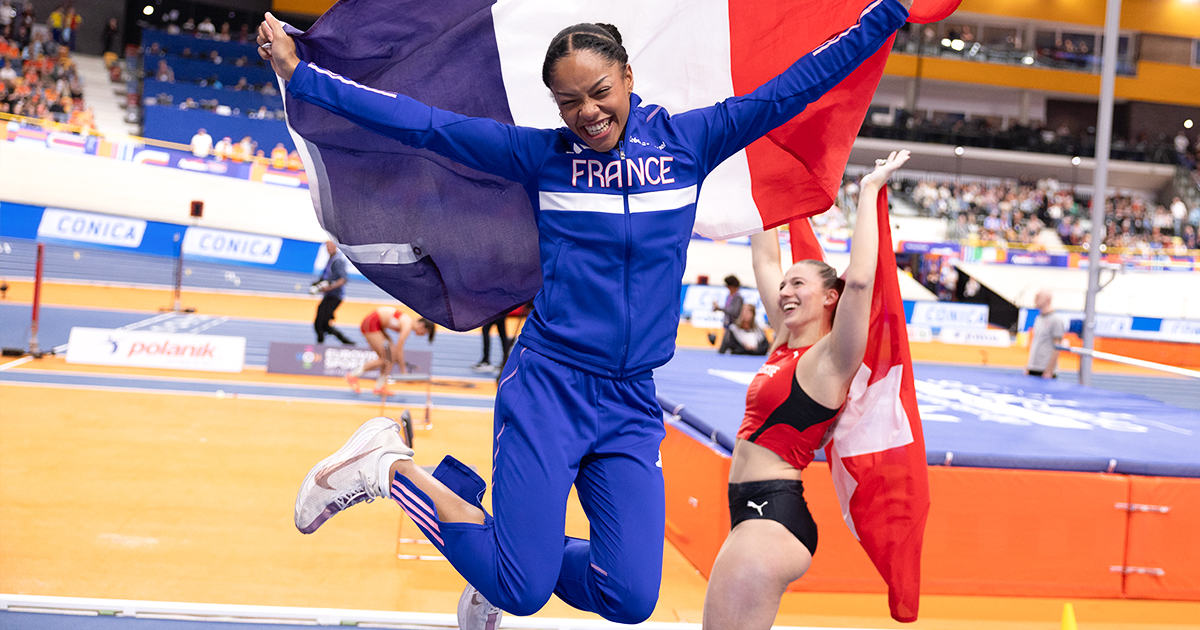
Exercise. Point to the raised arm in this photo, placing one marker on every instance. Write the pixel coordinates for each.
(768, 274)
(486, 145)
(848, 338)
(734, 123)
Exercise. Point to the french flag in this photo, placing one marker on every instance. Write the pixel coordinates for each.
(877, 454)
(460, 247)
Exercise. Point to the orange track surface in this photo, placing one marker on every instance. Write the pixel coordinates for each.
(189, 498)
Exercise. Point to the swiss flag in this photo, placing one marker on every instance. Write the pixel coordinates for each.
(877, 455)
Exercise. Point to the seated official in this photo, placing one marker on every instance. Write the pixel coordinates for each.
(745, 336)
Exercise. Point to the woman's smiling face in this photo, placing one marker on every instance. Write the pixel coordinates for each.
(592, 94)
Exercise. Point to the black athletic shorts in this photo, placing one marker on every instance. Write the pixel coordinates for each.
(779, 500)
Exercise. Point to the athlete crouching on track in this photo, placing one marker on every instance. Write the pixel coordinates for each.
(575, 404)
(791, 405)
(374, 328)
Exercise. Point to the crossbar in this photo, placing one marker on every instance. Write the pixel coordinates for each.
(1116, 358)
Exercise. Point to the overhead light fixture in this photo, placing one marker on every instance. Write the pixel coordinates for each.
(958, 44)
(147, 10)
(959, 150)
(1075, 161)
(946, 42)
(1187, 124)
(1028, 60)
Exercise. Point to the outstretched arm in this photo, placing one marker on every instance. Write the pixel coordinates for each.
(768, 274)
(734, 123)
(848, 339)
(486, 145)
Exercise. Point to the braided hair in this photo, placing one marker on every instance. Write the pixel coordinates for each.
(602, 39)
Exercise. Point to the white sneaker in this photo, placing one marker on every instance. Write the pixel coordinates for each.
(359, 471)
(477, 613)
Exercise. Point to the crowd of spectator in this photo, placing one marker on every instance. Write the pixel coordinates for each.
(37, 77)
(161, 55)
(1025, 214)
(206, 29)
(164, 73)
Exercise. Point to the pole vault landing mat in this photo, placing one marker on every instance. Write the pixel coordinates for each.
(975, 417)
(1037, 488)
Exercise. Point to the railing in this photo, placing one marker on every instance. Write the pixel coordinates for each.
(51, 125)
(151, 142)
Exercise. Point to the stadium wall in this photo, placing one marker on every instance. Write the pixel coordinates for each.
(40, 177)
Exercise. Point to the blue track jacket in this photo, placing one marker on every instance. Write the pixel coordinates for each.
(613, 227)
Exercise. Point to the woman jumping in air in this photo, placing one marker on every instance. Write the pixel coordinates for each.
(575, 403)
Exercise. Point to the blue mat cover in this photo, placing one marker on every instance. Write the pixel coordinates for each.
(975, 416)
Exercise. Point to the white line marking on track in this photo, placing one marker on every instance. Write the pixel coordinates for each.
(13, 364)
(229, 396)
(207, 325)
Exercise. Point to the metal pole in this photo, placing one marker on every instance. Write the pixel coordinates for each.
(37, 302)
(1108, 78)
(178, 301)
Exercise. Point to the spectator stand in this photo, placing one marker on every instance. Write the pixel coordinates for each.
(196, 70)
(193, 82)
(208, 98)
(176, 43)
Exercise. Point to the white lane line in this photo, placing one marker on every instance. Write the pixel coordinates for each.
(307, 617)
(13, 364)
(209, 324)
(232, 396)
(148, 321)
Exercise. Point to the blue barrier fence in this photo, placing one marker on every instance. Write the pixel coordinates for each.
(130, 235)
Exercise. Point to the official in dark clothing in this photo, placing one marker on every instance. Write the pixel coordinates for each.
(331, 282)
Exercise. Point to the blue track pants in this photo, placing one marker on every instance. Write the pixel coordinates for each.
(556, 426)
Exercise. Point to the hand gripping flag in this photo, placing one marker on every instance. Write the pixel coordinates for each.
(877, 454)
(460, 246)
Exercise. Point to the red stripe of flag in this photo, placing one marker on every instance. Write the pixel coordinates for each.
(796, 170)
